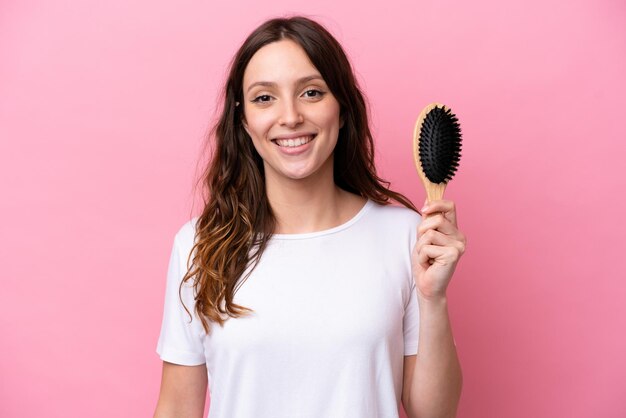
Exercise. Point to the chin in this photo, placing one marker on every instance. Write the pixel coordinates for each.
(305, 170)
(298, 176)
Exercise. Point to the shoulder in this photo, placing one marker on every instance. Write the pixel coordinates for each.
(185, 236)
(394, 215)
(394, 223)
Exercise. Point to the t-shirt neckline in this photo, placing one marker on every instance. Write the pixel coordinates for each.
(332, 230)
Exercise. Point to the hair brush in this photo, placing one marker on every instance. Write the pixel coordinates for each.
(436, 148)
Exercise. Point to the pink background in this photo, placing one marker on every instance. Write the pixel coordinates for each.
(103, 107)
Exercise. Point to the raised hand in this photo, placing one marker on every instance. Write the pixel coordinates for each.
(439, 247)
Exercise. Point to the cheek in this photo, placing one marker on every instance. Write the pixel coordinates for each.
(329, 116)
(259, 123)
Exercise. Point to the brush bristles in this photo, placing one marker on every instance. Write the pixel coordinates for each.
(440, 145)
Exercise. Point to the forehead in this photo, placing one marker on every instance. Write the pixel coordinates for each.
(280, 62)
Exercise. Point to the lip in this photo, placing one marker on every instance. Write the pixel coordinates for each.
(295, 150)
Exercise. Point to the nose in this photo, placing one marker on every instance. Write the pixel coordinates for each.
(290, 114)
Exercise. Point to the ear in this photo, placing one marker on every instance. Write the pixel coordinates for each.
(245, 125)
(243, 119)
(341, 121)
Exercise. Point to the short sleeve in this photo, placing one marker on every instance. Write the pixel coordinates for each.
(181, 338)
(411, 322)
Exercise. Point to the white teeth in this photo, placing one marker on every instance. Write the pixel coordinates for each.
(294, 142)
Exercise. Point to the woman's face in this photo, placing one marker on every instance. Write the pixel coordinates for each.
(289, 112)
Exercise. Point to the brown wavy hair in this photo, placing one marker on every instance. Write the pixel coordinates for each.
(237, 220)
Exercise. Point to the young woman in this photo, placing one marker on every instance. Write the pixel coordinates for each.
(299, 291)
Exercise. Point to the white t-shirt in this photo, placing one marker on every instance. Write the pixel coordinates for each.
(335, 312)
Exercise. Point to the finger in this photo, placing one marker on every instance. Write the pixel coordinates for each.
(440, 223)
(433, 237)
(446, 207)
(441, 255)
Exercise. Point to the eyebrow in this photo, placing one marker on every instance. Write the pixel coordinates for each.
(299, 81)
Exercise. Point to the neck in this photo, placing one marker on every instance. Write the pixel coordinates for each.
(307, 205)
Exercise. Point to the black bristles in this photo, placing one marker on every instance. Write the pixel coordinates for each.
(440, 145)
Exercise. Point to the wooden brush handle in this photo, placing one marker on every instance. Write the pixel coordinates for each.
(433, 191)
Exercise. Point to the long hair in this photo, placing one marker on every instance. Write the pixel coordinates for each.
(237, 220)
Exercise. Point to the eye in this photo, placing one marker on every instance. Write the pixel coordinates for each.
(313, 93)
(264, 98)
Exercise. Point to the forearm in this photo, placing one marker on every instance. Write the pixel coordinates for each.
(437, 378)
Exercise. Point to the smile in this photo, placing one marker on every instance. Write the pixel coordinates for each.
(294, 142)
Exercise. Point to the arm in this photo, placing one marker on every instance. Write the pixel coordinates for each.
(433, 378)
(183, 391)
